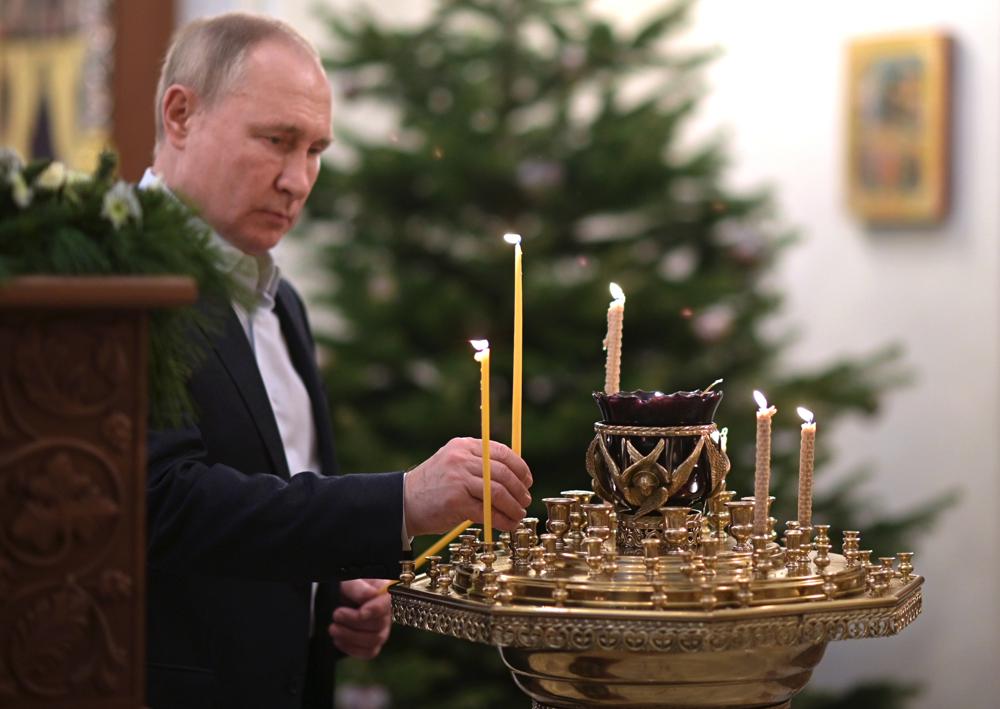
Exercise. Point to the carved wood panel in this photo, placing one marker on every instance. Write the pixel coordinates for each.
(72, 508)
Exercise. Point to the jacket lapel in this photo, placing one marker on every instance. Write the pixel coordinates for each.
(232, 347)
(300, 348)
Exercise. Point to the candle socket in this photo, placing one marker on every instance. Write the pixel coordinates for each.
(537, 560)
(433, 572)
(505, 596)
(651, 555)
(549, 549)
(793, 542)
(741, 526)
(851, 544)
(761, 559)
(490, 587)
(721, 517)
(593, 553)
(574, 536)
(444, 578)
(522, 545)
(406, 574)
(823, 546)
(559, 510)
(675, 532)
(905, 565)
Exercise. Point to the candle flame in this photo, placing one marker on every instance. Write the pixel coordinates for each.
(616, 292)
(511, 238)
(482, 348)
(760, 399)
(805, 413)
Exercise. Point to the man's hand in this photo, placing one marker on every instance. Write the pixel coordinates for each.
(448, 487)
(361, 631)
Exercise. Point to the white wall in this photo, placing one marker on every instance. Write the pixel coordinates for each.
(778, 93)
(779, 90)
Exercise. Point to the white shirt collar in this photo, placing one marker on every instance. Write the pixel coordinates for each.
(258, 274)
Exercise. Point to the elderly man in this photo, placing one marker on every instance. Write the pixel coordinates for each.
(247, 515)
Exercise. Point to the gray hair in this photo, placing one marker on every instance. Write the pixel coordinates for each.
(208, 55)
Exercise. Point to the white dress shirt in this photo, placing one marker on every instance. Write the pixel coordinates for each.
(285, 391)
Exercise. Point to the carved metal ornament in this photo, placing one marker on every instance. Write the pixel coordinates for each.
(640, 483)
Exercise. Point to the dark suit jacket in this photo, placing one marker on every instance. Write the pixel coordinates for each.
(235, 541)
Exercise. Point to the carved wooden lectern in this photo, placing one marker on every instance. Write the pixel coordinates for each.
(73, 403)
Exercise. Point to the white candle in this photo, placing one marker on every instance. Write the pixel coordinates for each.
(807, 456)
(762, 464)
(613, 341)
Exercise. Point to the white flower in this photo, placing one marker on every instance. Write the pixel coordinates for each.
(52, 177)
(120, 203)
(10, 161)
(76, 177)
(19, 189)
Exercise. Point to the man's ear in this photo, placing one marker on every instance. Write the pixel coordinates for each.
(179, 103)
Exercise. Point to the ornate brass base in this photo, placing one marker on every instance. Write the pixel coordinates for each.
(700, 620)
(736, 679)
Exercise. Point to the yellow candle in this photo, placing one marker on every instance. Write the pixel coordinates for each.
(515, 414)
(613, 341)
(433, 549)
(807, 457)
(441, 543)
(762, 464)
(483, 357)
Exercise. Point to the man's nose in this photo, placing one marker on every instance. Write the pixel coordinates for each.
(295, 177)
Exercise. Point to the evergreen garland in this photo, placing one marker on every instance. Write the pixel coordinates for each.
(56, 221)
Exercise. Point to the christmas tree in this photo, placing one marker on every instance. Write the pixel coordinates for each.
(542, 118)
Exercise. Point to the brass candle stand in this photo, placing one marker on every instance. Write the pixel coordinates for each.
(681, 608)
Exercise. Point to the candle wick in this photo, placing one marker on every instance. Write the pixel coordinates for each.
(709, 387)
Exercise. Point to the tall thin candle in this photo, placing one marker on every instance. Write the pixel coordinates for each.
(807, 457)
(613, 341)
(762, 464)
(515, 414)
(482, 348)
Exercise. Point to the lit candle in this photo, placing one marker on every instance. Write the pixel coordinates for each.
(613, 341)
(762, 464)
(807, 456)
(482, 348)
(515, 414)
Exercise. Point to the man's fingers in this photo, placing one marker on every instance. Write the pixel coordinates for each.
(500, 473)
(355, 619)
(504, 503)
(500, 500)
(344, 635)
(357, 591)
(505, 455)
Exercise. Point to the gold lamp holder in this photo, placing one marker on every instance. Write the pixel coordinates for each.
(623, 604)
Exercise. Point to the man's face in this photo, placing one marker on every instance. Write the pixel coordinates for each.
(250, 159)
